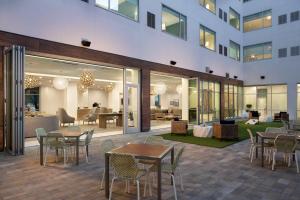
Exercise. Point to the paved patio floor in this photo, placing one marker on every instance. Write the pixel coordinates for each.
(208, 174)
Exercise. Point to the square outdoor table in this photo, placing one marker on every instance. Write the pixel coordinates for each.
(141, 151)
(264, 135)
(59, 133)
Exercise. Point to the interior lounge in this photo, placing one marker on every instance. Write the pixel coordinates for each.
(61, 93)
(169, 99)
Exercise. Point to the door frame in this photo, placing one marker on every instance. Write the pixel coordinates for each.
(127, 129)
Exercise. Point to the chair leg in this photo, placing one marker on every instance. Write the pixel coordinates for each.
(180, 175)
(65, 157)
(296, 159)
(252, 154)
(102, 180)
(174, 186)
(111, 188)
(86, 156)
(138, 189)
(274, 160)
(46, 154)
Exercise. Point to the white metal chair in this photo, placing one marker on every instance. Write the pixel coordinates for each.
(285, 144)
(126, 168)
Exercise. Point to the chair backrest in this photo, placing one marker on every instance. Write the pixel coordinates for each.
(275, 130)
(251, 136)
(157, 140)
(40, 132)
(285, 143)
(177, 157)
(89, 137)
(106, 146)
(124, 166)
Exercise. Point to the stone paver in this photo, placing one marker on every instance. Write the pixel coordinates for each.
(208, 174)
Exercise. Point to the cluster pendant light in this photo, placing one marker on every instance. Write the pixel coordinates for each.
(31, 82)
(87, 79)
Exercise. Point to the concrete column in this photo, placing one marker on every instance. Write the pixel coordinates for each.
(185, 98)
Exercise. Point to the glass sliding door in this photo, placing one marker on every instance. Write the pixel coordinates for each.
(14, 100)
(193, 101)
(132, 101)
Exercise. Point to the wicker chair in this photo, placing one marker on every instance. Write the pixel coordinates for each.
(179, 127)
(126, 168)
(285, 144)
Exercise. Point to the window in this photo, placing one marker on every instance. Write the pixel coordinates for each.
(220, 13)
(294, 16)
(173, 22)
(209, 5)
(220, 49)
(85, 1)
(258, 21)
(225, 17)
(295, 51)
(32, 98)
(225, 51)
(234, 50)
(267, 99)
(298, 101)
(258, 52)
(233, 101)
(207, 38)
(247, 1)
(150, 20)
(282, 19)
(234, 18)
(282, 53)
(127, 8)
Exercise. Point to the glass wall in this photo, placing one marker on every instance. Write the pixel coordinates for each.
(207, 38)
(267, 100)
(193, 101)
(234, 19)
(233, 101)
(173, 22)
(128, 8)
(209, 5)
(258, 21)
(209, 101)
(258, 52)
(234, 50)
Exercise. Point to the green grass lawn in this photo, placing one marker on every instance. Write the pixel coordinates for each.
(211, 142)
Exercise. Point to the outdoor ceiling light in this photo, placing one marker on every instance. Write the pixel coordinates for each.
(87, 79)
(31, 82)
(60, 83)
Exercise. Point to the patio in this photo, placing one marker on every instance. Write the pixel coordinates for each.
(208, 173)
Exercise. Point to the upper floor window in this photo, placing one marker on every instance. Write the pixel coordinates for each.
(258, 21)
(258, 52)
(234, 18)
(127, 8)
(234, 50)
(173, 23)
(209, 5)
(246, 1)
(207, 38)
(294, 16)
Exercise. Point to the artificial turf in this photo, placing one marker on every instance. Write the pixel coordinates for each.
(216, 143)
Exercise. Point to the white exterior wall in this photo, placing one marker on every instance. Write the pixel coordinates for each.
(276, 70)
(68, 21)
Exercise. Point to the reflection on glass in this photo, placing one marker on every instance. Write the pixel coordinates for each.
(234, 50)
(132, 107)
(258, 21)
(207, 38)
(209, 5)
(173, 22)
(258, 52)
(234, 18)
(193, 101)
(128, 8)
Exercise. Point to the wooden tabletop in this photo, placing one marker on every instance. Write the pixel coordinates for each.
(270, 135)
(144, 150)
(110, 114)
(66, 133)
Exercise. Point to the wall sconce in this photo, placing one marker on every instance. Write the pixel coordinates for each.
(172, 62)
(86, 43)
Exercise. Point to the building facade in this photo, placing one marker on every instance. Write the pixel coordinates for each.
(152, 61)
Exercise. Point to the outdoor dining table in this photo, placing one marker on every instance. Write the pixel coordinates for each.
(141, 151)
(62, 133)
(272, 136)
